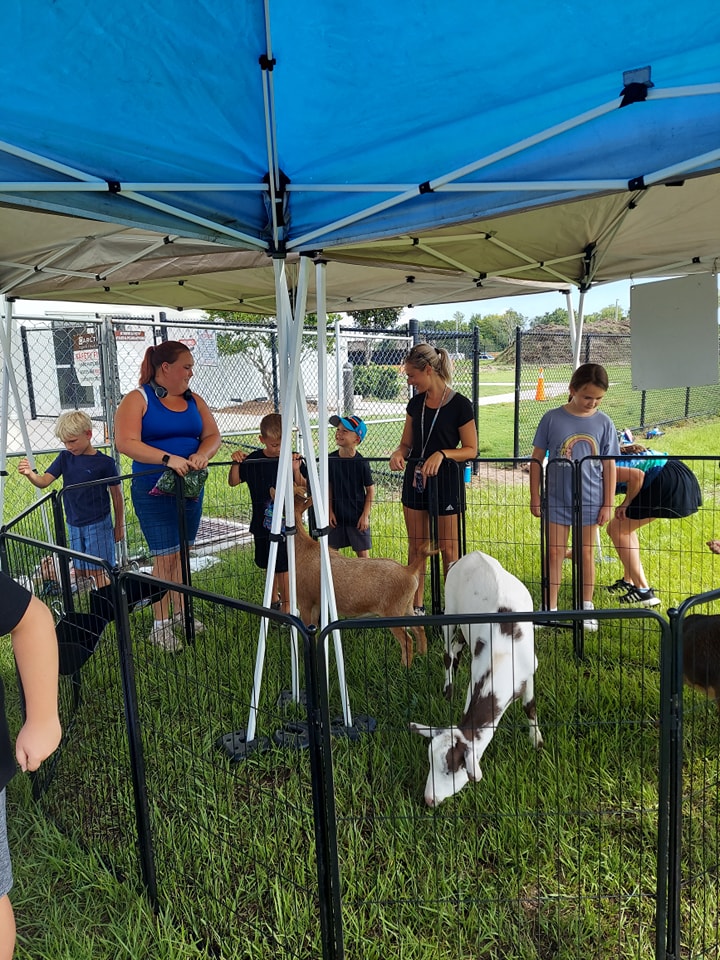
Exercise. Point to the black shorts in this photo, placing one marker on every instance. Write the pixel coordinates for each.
(262, 554)
(672, 493)
(350, 536)
(443, 495)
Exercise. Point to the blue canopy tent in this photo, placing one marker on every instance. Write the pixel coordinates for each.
(459, 148)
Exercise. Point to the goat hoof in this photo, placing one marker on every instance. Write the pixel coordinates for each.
(448, 692)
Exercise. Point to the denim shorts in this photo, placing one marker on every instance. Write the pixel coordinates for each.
(6, 877)
(158, 517)
(97, 539)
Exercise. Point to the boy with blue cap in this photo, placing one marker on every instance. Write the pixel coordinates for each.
(352, 488)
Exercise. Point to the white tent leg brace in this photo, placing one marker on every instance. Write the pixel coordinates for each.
(10, 381)
(293, 397)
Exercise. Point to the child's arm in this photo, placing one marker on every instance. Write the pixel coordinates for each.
(118, 511)
(234, 478)
(538, 456)
(609, 483)
(634, 479)
(39, 480)
(364, 521)
(36, 654)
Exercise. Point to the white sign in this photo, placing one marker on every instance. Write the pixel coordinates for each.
(87, 367)
(206, 351)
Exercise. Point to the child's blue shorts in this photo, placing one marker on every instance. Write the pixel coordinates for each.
(97, 539)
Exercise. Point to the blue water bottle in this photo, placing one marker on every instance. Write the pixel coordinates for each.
(468, 472)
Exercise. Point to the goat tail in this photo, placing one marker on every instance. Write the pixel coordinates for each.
(427, 549)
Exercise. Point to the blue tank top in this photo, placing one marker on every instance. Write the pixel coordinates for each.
(169, 430)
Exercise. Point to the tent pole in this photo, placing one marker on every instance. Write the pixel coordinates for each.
(579, 330)
(288, 388)
(9, 380)
(327, 595)
(6, 319)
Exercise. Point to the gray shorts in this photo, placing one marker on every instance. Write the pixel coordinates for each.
(6, 878)
(350, 536)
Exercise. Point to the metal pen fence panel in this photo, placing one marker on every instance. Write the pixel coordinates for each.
(694, 881)
(87, 786)
(232, 839)
(553, 852)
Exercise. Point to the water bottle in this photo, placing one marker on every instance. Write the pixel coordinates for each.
(468, 472)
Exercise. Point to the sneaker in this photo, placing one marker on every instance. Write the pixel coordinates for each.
(645, 597)
(164, 636)
(590, 625)
(178, 620)
(419, 611)
(620, 585)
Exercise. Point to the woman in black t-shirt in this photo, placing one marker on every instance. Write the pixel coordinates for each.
(439, 436)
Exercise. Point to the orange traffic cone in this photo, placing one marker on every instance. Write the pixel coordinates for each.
(540, 389)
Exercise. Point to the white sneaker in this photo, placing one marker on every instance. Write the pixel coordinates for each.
(178, 621)
(164, 636)
(591, 625)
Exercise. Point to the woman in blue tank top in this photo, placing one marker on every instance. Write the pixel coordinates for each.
(163, 424)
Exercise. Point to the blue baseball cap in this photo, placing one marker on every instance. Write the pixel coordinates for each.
(353, 424)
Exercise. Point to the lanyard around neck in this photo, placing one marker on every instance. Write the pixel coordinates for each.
(422, 422)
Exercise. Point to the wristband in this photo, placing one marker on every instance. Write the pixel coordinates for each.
(443, 454)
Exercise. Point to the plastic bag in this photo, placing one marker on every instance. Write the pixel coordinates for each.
(193, 482)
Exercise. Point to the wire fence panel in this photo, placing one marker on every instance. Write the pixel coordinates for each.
(552, 852)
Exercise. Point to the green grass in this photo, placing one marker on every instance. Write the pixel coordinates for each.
(550, 855)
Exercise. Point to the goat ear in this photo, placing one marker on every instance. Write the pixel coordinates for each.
(424, 730)
(472, 763)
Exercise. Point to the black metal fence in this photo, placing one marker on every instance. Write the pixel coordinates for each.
(312, 840)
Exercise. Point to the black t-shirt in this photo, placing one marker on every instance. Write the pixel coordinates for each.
(348, 477)
(260, 474)
(12, 609)
(445, 434)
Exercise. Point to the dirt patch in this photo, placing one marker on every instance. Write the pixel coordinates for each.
(500, 474)
(257, 408)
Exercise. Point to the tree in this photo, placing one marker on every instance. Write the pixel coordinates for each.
(256, 342)
(557, 317)
(383, 318)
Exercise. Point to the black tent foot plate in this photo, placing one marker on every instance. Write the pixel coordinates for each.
(293, 734)
(361, 724)
(238, 747)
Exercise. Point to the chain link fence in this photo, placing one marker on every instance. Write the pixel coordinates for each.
(89, 363)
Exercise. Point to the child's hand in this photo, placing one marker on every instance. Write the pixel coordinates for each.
(24, 467)
(535, 508)
(119, 530)
(237, 456)
(36, 741)
(364, 521)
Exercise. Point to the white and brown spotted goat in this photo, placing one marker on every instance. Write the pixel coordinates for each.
(502, 670)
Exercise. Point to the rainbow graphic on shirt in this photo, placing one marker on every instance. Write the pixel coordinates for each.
(567, 447)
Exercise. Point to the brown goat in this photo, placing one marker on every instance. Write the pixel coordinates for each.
(701, 653)
(367, 586)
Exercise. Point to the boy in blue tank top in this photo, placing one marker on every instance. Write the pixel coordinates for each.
(87, 508)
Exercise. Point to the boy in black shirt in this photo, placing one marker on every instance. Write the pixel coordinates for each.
(259, 470)
(352, 488)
